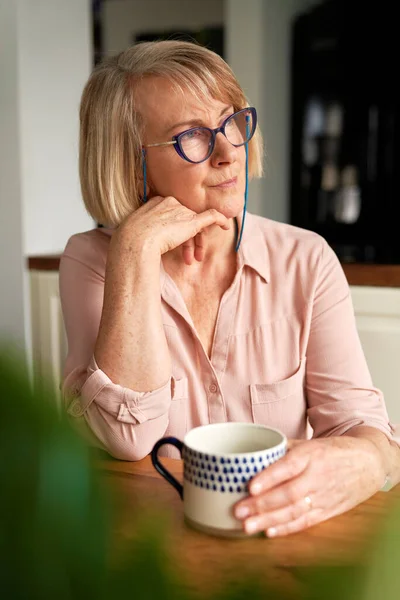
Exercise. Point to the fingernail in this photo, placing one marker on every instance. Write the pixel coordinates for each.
(242, 511)
(255, 488)
(250, 526)
(271, 532)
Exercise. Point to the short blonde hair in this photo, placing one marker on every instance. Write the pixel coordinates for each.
(110, 159)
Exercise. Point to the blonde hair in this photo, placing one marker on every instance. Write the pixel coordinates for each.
(110, 159)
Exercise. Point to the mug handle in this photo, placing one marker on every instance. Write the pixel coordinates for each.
(160, 467)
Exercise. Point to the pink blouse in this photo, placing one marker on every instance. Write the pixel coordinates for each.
(286, 352)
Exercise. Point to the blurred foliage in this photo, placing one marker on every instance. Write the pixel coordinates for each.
(55, 523)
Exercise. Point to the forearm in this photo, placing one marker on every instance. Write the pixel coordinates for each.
(389, 451)
(131, 347)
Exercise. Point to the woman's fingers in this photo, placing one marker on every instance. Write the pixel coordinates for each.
(188, 251)
(289, 519)
(193, 249)
(287, 494)
(314, 481)
(199, 246)
(166, 224)
(210, 217)
(285, 469)
(305, 521)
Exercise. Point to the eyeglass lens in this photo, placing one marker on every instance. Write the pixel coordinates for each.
(197, 143)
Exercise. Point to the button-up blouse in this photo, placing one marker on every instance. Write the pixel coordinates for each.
(285, 352)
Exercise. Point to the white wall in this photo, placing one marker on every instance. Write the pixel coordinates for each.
(45, 59)
(12, 322)
(55, 58)
(123, 19)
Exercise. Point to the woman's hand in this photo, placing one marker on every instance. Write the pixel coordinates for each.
(163, 224)
(316, 479)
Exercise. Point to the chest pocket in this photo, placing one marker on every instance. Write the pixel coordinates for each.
(177, 416)
(282, 404)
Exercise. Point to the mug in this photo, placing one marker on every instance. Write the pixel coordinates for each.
(219, 461)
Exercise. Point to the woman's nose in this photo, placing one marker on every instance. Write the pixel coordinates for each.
(223, 151)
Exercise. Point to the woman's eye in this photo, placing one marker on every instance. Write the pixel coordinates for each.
(195, 133)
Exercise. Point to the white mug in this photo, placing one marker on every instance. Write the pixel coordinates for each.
(219, 461)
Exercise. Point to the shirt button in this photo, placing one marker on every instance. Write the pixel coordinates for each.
(74, 392)
(75, 409)
(213, 388)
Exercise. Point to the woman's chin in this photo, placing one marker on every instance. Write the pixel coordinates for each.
(232, 211)
(230, 207)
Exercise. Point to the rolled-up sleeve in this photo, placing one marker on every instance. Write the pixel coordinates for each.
(340, 392)
(124, 422)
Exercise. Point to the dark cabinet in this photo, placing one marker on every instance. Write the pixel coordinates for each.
(345, 113)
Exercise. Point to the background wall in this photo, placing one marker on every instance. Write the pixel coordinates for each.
(12, 322)
(124, 18)
(55, 59)
(258, 46)
(45, 59)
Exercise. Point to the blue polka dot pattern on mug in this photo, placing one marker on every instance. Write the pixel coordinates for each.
(226, 474)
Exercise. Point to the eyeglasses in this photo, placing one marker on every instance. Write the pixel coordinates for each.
(197, 144)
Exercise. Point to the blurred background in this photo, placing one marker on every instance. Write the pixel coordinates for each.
(322, 75)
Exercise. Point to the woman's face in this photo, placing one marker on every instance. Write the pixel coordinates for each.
(197, 186)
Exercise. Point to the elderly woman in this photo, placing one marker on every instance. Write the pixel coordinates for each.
(182, 310)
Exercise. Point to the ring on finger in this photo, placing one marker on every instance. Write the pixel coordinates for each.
(308, 502)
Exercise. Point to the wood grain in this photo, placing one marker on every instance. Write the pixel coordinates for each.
(138, 490)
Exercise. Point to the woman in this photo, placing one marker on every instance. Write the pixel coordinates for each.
(182, 311)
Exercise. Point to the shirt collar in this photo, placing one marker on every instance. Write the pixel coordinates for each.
(253, 251)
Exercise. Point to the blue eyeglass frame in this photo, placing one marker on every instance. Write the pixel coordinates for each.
(176, 139)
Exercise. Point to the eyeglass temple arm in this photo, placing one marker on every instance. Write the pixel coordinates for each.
(160, 144)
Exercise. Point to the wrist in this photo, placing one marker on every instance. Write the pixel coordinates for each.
(131, 265)
(378, 446)
(138, 248)
(381, 462)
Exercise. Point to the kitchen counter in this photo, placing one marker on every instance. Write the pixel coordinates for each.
(372, 275)
(44, 263)
(356, 273)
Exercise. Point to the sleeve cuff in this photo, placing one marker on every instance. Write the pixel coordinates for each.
(344, 427)
(126, 405)
(335, 417)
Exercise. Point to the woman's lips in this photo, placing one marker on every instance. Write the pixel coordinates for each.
(229, 183)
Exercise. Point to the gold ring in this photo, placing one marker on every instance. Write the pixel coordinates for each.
(307, 500)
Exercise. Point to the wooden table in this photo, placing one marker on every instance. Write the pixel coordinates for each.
(137, 488)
